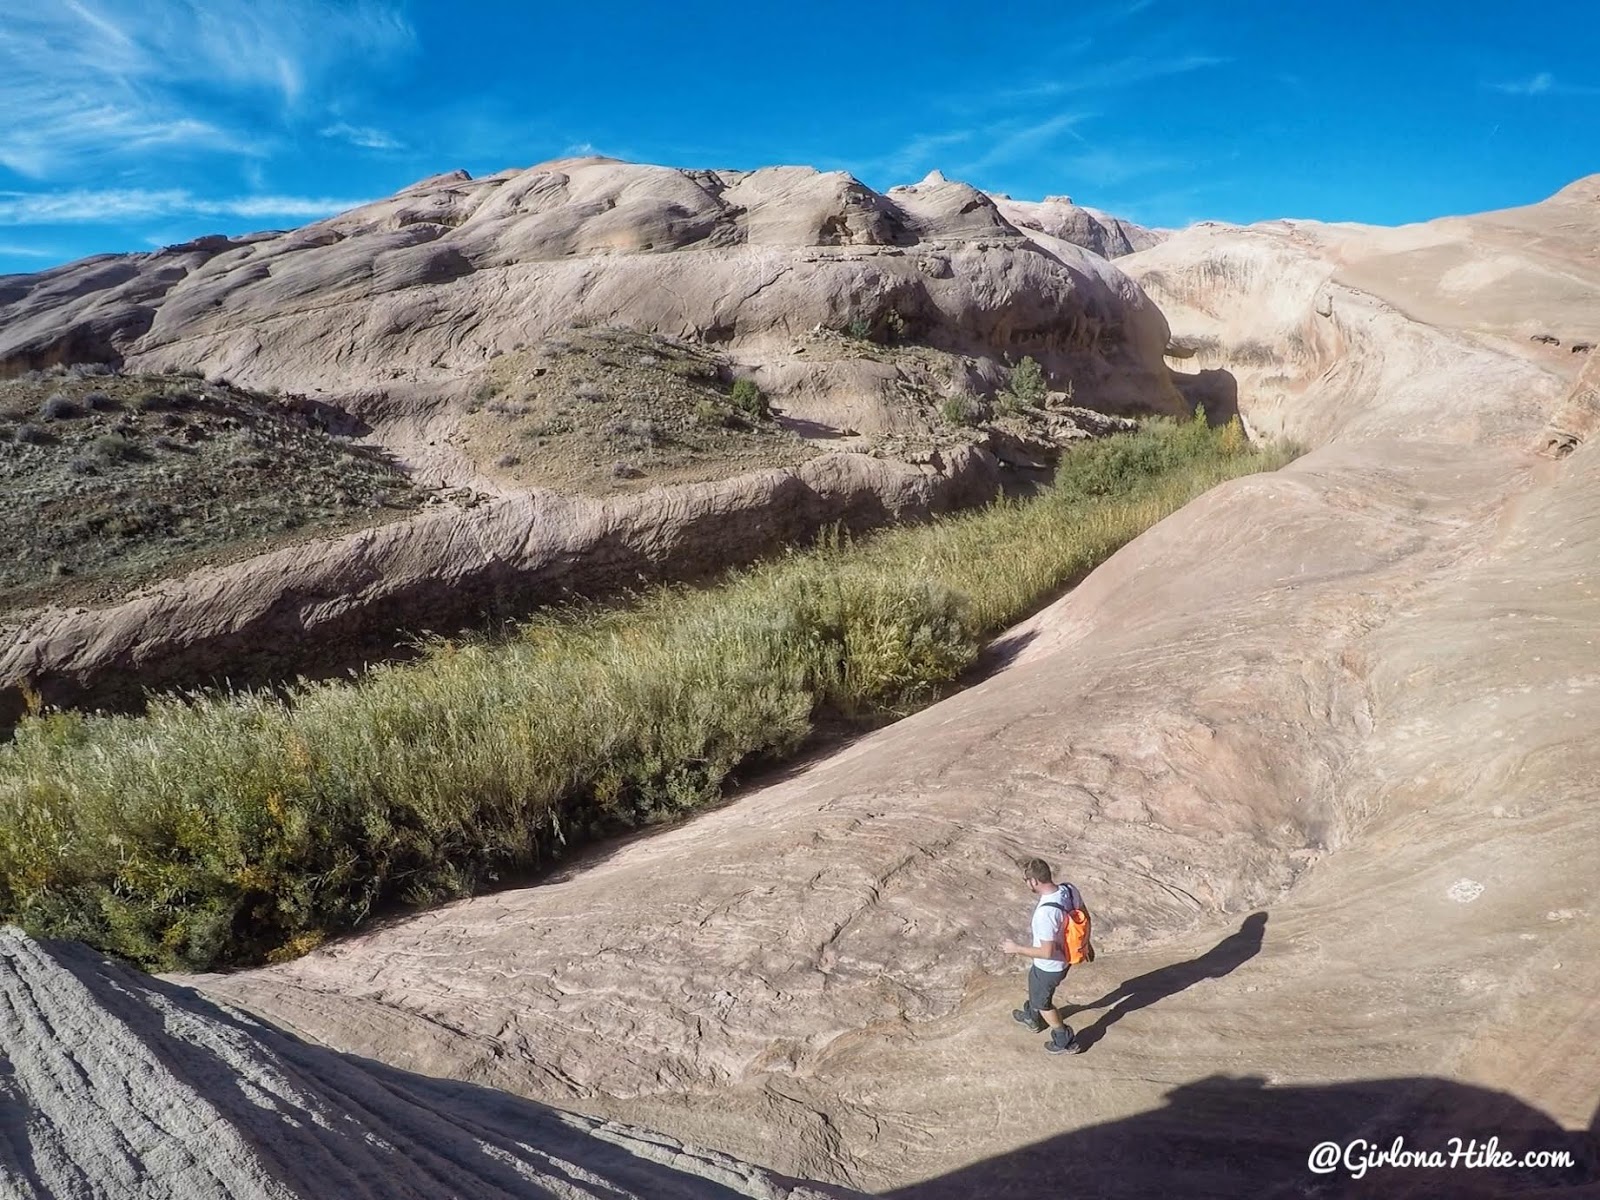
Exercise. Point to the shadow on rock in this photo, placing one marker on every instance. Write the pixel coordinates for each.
(1215, 389)
(1144, 990)
(1228, 1137)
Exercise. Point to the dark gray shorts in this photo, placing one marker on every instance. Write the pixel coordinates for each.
(1042, 987)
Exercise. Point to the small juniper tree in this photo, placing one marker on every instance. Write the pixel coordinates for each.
(1027, 383)
(748, 399)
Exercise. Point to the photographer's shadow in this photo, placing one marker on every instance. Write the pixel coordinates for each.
(1144, 990)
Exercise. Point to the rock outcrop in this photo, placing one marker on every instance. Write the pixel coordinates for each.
(425, 286)
(1317, 749)
(1058, 216)
(392, 314)
(113, 1084)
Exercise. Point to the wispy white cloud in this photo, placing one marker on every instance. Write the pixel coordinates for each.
(1011, 141)
(88, 206)
(1100, 76)
(15, 250)
(84, 79)
(1004, 126)
(364, 136)
(1544, 84)
(1102, 167)
(915, 157)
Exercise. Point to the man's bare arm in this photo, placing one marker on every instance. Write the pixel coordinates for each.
(1042, 950)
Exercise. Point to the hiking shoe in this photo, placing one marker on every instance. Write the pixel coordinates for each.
(1032, 1020)
(1055, 1047)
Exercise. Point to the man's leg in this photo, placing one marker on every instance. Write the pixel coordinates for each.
(1028, 1014)
(1060, 1032)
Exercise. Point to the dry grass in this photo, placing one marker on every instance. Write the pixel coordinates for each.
(227, 829)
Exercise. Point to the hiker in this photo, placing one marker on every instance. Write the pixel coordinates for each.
(1049, 955)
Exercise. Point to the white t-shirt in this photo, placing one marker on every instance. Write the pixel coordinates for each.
(1047, 923)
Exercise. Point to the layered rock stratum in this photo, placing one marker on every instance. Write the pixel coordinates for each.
(1317, 749)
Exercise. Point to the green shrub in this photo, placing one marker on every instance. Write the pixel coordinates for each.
(749, 399)
(1027, 384)
(961, 409)
(709, 413)
(114, 448)
(222, 829)
(859, 328)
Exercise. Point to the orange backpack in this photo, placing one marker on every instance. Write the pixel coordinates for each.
(1076, 947)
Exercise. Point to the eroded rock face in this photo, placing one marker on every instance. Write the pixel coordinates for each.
(118, 1085)
(1058, 216)
(340, 600)
(1316, 749)
(1329, 331)
(426, 285)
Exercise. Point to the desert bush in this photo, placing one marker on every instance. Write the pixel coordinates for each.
(1233, 439)
(961, 409)
(749, 399)
(507, 460)
(549, 427)
(221, 828)
(709, 413)
(1027, 386)
(100, 402)
(859, 328)
(60, 407)
(642, 433)
(111, 448)
(85, 370)
(692, 368)
(31, 435)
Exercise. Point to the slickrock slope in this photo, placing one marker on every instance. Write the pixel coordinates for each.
(1318, 749)
(857, 313)
(113, 1084)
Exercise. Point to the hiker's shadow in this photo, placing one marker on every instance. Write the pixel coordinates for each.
(1144, 990)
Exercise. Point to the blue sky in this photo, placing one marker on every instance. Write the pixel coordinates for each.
(129, 124)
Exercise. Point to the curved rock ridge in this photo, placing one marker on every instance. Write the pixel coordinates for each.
(427, 285)
(1317, 749)
(114, 1084)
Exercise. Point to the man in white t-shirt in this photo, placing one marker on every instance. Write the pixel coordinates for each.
(1048, 968)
